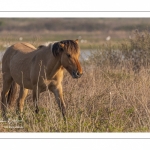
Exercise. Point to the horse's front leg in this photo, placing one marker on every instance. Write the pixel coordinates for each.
(36, 93)
(57, 90)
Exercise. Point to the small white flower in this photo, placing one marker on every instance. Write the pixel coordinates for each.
(83, 41)
(108, 38)
(79, 37)
(21, 38)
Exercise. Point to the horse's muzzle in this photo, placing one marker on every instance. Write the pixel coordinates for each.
(76, 74)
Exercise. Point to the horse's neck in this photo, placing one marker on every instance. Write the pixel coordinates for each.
(53, 66)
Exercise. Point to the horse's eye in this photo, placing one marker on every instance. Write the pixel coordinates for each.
(68, 55)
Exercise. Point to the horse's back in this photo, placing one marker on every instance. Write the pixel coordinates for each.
(23, 47)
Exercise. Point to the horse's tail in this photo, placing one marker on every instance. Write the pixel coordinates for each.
(12, 93)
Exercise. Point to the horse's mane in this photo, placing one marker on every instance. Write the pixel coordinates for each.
(40, 46)
(69, 46)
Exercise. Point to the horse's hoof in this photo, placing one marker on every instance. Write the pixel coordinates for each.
(20, 118)
(37, 111)
(5, 118)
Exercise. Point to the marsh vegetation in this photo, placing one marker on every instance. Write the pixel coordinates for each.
(113, 95)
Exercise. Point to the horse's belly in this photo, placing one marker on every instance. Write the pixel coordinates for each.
(23, 82)
(20, 72)
(21, 79)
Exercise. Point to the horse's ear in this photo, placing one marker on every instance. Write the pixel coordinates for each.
(62, 45)
(77, 41)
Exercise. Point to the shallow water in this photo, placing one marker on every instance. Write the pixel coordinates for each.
(84, 54)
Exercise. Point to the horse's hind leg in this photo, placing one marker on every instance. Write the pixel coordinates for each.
(7, 80)
(11, 100)
(20, 101)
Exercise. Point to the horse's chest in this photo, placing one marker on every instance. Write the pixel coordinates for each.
(48, 85)
(44, 84)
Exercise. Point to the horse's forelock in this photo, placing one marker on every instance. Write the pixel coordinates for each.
(69, 46)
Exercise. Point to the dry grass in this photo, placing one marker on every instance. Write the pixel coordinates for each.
(103, 100)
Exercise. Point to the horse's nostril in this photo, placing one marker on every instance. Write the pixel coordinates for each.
(77, 73)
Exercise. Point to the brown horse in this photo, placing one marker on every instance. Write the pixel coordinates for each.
(37, 70)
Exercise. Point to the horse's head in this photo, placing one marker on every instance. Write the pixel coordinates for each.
(70, 52)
